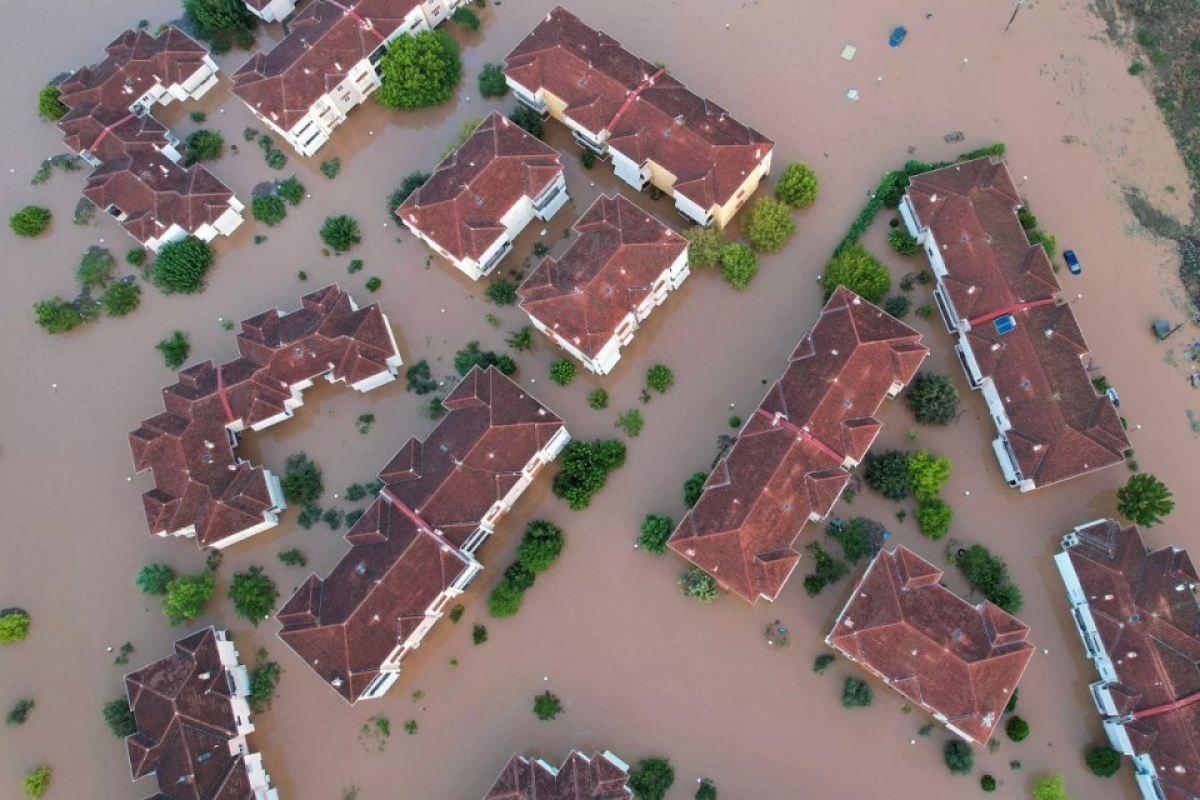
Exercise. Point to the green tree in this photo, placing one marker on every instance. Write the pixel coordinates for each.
(36, 782)
(154, 578)
(822, 662)
(465, 17)
(1048, 241)
(520, 577)
(528, 120)
(855, 539)
(927, 473)
(932, 398)
(57, 315)
(897, 305)
(501, 292)
(204, 145)
(95, 268)
(186, 597)
(181, 266)
(598, 399)
(521, 339)
(1103, 761)
(1017, 729)
(693, 487)
(14, 626)
(291, 190)
(479, 633)
(959, 757)
(471, 356)
(695, 582)
(585, 469)
(49, 105)
(175, 349)
(889, 474)
(542, 543)
(770, 224)
(660, 378)
(268, 209)
(651, 778)
(934, 517)
(797, 186)
(491, 81)
(739, 265)
(856, 693)
(221, 23)
(631, 421)
(119, 717)
(903, 242)
(419, 70)
(505, 600)
(1051, 787)
(264, 679)
(547, 706)
(563, 372)
(253, 594)
(29, 221)
(373, 284)
(135, 256)
(302, 480)
(855, 268)
(19, 713)
(987, 783)
(988, 574)
(293, 558)
(707, 790)
(411, 182)
(121, 298)
(705, 245)
(1144, 499)
(341, 233)
(656, 530)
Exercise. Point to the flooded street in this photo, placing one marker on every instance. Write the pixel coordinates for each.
(640, 670)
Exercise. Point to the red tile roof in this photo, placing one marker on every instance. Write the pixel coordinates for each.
(579, 778)
(709, 152)
(787, 463)
(185, 723)
(1061, 428)
(953, 659)
(198, 479)
(462, 204)
(405, 550)
(1148, 619)
(603, 276)
(136, 62)
(324, 42)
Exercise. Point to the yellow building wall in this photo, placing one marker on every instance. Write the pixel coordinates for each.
(722, 215)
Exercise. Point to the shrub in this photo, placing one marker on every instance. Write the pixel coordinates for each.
(275, 158)
(253, 594)
(36, 782)
(331, 168)
(827, 570)
(49, 105)
(631, 422)
(651, 779)
(656, 530)
(14, 626)
(1017, 729)
(1027, 218)
(29, 221)
(585, 469)
(528, 120)
(154, 579)
(695, 582)
(854, 538)
(268, 209)
(479, 634)
(770, 224)
(563, 372)
(121, 298)
(505, 600)
(1137, 68)
(186, 597)
(293, 558)
(693, 487)
(707, 790)
(797, 186)
(598, 399)
(897, 305)
(660, 378)
(932, 398)
(1047, 240)
(889, 474)
(1103, 761)
(521, 339)
(19, 713)
(735, 422)
(739, 265)
(135, 256)
(411, 182)
(903, 242)
(587, 159)
(417, 378)
(466, 17)
(264, 679)
(222, 23)
(291, 190)
(925, 311)
(419, 70)
(987, 783)
(471, 356)
(988, 574)
(373, 284)
(540, 248)
(927, 474)
(705, 245)
(855, 268)
(119, 717)
(1051, 787)
(542, 543)
(341, 233)
(856, 694)
(58, 316)
(1144, 499)
(175, 349)
(822, 662)
(502, 292)
(546, 706)
(181, 266)
(934, 517)
(302, 480)
(519, 577)
(491, 81)
(959, 757)
(204, 145)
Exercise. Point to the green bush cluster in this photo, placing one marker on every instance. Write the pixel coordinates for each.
(59, 316)
(419, 70)
(959, 757)
(933, 398)
(739, 265)
(302, 482)
(827, 570)
(856, 693)
(585, 469)
(859, 271)
(541, 545)
(182, 266)
(651, 778)
(187, 596)
(49, 105)
(30, 221)
(175, 349)
(491, 81)
(268, 209)
(253, 594)
(418, 379)
(502, 292)
(631, 421)
(563, 371)
(798, 185)
(693, 487)
(341, 233)
(656, 530)
(988, 574)
(854, 537)
(472, 356)
(769, 224)
(14, 626)
(411, 182)
(705, 244)
(660, 378)
(203, 145)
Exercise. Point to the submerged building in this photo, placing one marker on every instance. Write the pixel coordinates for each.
(601, 777)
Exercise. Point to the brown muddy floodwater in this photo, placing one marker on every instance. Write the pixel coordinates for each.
(641, 670)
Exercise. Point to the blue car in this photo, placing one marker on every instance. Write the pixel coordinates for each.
(1072, 262)
(898, 36)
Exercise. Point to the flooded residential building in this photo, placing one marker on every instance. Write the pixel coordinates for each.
(654, 129)
(1019, 342)
(621, 266)
(789, 463)
(958, 662)
(271, 10)
(202, 489)
(137, 177)
(414, 548)
(601, 777)
(483, 195)
(192, 720)
(1138, 617)
(328, 64)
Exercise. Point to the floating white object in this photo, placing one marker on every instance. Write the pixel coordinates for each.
(852, 94)
(848, 52)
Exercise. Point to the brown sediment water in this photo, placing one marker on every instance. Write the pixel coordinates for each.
(640, 670)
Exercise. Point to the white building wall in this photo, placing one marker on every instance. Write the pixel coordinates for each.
(629, 170)
(698, 215)
(275, 11)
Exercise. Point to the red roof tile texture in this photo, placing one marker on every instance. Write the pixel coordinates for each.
(406, 549)
(198, 479)
(462, 205)
(1061, 428)
(787, 464)
(959, 661)
(606, 273)
(708, 151)
(579, 778)
(185, 723)
(1145, 608)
